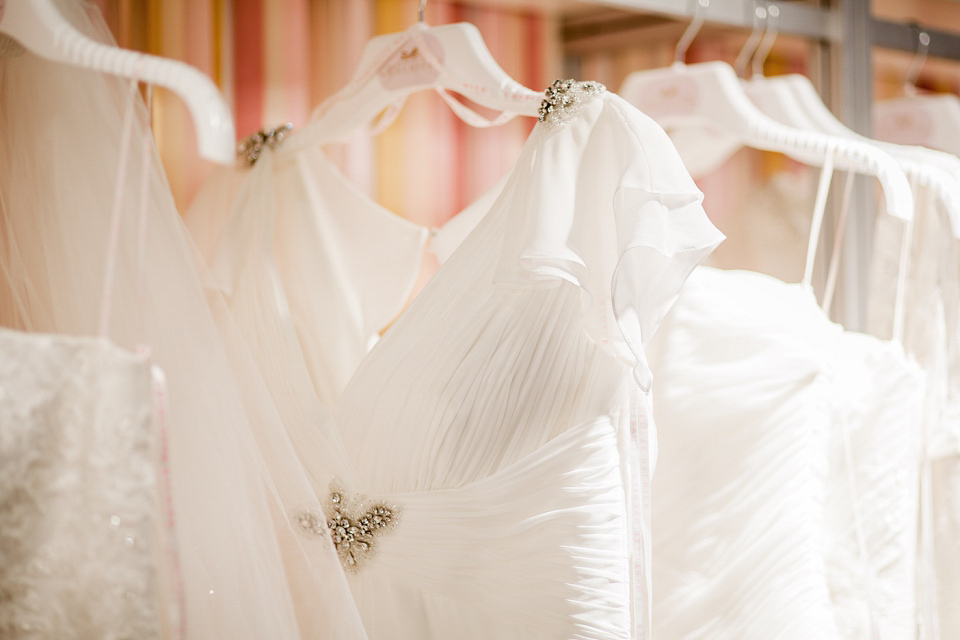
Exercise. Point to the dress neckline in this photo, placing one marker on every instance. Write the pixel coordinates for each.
(369, 359)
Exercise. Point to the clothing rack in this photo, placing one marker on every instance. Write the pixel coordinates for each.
(828, 24)
(846, 33)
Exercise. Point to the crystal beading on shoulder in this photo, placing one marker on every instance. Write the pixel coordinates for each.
(252, 146)
(564, 99)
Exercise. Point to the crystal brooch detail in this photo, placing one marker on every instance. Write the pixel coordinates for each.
(251, 147)
(564, 98)
(354, 524)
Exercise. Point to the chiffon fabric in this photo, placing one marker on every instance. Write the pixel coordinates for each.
(80, 514)
(234, 477)
(502, 416)
(872, 505)
(786, 497)
(784, 504)
(745, 368)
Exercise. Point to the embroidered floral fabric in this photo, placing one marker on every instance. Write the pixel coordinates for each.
(78, 491)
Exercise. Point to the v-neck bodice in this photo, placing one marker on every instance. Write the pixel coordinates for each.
(346, 264)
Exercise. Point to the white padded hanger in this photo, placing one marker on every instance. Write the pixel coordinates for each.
(450, 57)
(39, 27)
(708, 96)
(792, 100)
(930, 120)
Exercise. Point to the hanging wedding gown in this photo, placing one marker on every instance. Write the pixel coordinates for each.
(234, 477)
(497, 432)
(930, 335)
(744, 366)
(784, 503)
(871, 504)
(347, 266)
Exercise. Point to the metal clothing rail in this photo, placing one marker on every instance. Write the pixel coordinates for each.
(795, 19)
(809, 21)
(893, 35)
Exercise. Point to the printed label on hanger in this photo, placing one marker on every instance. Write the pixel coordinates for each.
(409, 66)
(905, 125)
(670, 96)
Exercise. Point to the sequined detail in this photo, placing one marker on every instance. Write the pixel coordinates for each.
(564, 99)
(354, 525)
(251, 147)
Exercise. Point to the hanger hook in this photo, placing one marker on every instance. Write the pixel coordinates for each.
(699, 16)
(423, 5)
(913, 72)
(769, 37)
(759, 18)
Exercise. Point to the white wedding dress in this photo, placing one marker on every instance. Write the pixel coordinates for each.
(498, 431)
(744, 366)
(932, 336)
(785, 498)
(871, 507)
(347, 266)
(78, 150)
(81, 555)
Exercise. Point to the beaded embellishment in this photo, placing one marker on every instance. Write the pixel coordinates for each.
(354, 524)
(564, 99)
(252, 146)
(311, 522)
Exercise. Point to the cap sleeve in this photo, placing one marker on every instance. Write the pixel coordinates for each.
(608, 205)
(662, 238)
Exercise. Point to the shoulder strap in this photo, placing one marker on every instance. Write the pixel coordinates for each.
(819, 207)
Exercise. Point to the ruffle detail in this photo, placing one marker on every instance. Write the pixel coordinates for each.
(613, 211)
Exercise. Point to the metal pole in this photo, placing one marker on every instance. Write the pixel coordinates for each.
(853, 66)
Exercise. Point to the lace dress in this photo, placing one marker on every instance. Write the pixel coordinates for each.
(79, 525)
(483, 463)
(78, 155)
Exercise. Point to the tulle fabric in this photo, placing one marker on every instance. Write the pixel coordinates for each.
(344, 266)
(234, 475)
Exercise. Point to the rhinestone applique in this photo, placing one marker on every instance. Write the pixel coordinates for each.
(252, 146)
(353, 525)
(564, 99)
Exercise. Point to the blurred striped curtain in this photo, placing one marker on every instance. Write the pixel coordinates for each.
(275, 60)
